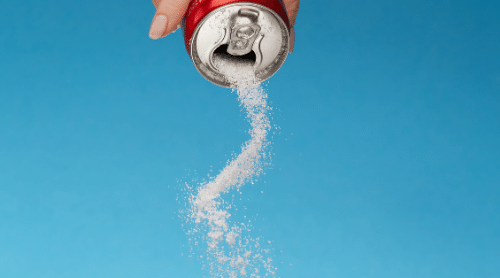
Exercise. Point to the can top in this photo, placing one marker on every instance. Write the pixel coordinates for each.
(240, 32)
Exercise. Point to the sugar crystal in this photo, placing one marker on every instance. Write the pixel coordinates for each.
(231, 253)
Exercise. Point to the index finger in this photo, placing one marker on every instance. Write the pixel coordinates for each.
(173, 10)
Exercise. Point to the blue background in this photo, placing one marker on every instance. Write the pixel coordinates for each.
(386, 158)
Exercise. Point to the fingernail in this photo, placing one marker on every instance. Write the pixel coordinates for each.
(158, 26)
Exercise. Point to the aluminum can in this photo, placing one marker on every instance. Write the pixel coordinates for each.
(257, 31)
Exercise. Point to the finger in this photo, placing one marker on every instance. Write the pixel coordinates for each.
(156, 2)
(292, 40)
(292, 9)
(168, 16)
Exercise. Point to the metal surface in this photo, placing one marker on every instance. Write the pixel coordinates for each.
(245, 30)
(199, 9)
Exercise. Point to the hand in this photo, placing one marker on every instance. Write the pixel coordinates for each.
(169, 14)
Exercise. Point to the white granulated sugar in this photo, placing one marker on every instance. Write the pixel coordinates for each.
(232, 254)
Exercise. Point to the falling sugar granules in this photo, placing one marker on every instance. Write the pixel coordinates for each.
(228, 252)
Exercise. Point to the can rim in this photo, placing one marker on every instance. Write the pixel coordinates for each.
(225, 83)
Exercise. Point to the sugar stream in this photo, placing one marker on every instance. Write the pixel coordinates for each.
(229, 253)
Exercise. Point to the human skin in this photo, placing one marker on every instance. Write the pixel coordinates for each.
(169, 14)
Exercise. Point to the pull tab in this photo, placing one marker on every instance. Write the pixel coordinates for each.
(243, 32)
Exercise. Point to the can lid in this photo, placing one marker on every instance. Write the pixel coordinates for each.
(241, 31)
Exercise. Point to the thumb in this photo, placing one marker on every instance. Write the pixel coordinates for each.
(168, 16)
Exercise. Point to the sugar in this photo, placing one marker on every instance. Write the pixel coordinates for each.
(207, 207)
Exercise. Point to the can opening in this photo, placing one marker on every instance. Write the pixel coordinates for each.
(221, 54)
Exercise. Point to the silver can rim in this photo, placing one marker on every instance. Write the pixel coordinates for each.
(221, 81)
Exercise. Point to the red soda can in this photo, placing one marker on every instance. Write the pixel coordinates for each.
(256, 31)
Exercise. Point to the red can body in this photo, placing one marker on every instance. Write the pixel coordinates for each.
(198, 9)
